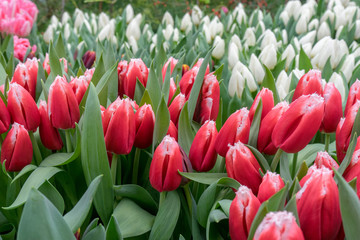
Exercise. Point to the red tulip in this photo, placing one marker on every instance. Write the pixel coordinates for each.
(166, 162)
(278, 226)
(333, 108)
(299, 124)
(49, 135)
(89, 73)
(120, 132)
(21, 45)
(25, 75)
(79, 86)
(309, 83)
(324, 159)
(202, 152)
(353, 171)
(22, 107)
(267, 100)
(242, 166)
(271, 184)
(89, 58)
(172, 61)
(187, 81)
(354, 95)
(144, 122)
(242, 213)
(209, 99)
(318, 206)
(198, 65)
(122, 70)
(46, 64)
(63, 107)
(104, 124)
(172, 90)
(236, 128)
(172, 131)
(5, 118)
(264, 142)
(343, 131)
(16, 149)
(175, 107)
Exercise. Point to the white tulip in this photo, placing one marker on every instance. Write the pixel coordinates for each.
(339, 84)
(323, 31)
(357, 29)
(240, 14)
(67, 31)
(107, 32)
(340, 49)
(168, 19)
(186, 23)
(292, 8)
(288, 54)
(152, 47)
(268, 56)
(256, 68)
(236, 84)
(168, 31)
(284, 16)
(348, 67)
(176, 35)
(138, 18)
(154, 39)
(93, 25)
(129, 13)
(133, 44)
(219, 48)
(297, 45)
(133, 29)
(259, 14)
(284, 36)
(297, 72)
(233, 55)
(301, 25)
(79, 20)
(268, 38)
(230, 22)
(328, 15)
(261, 26)
(340, 16)
(196, 15)
(235, 39)
(206, 20)
(249, 36)
(207, 34)
(349, 13)
(307, 47)
(250, 81)
(283, 84)
(87, 25)
(216, 27)
(54, 20)
(103, 20)
(313, 25)
(49, 34)
(65, 18)
(308, 38)
(338, 32)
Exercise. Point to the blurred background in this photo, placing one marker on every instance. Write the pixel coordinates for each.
(152, 10)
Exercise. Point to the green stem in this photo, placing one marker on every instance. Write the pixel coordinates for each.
(293, 172)
(188, 197)
(114, 166)
(276, 159)
(136, 165)
(68, 141)
(37, 153)
(327, 141)
(162, 198)
(222, 167)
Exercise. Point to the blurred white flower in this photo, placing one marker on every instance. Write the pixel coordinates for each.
(219, 48)
(328, 14)
(301, 25)
(284, 36)
(339, 16)
(256, 68)
(196, 15)
(235, 39)
(65, 18)
(288, 54)
(357, 29)
(79, 20)
(323, 31)
(308, 38)
(338, 32)
(168, 31)
(283, 84)
(176, 35)
(107, 32)
(249, 37)
(186, 23)
(307, 47)
(93, 25)
(233, 54)
(297, 72)
(67, 31)
(206, 20)
(133, 29)
(216, 27)
(103, 20)
(133, 44)
(240, 14)
(313, 25)
(268, 56)
(268, 38)
(348, 67)
(339, 84)
(236, 84)
(250, 81)
(284, 16)
(207, 34)
(129, 13)
(257, 16)
(292, 8)
(49, 33)
(54, 20)
(168, 19)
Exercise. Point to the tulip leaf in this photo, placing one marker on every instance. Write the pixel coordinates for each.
(52, 194)
(204, 178)
(113, 230)
(25, 170)
(139, 91)
(77, 215)
(228, 182)
(206, 202)
(5, 181)
(269, 82)
(277, 201)
(349, 207)
(304, 61)
(260, 158)
(35, 180)
(162, 121)
(60, 48)
(255, 125)
(103, 85)
(39, 85)
(186, 134)
(178, 67)
(327, 70)
(153, 87)
(145, 98)
(195, 91)
(167, 217)
(308, 154)
(3, 75)
(166, 85)
(218, 72)
(132, 219)
(261, 213)
(291, 207)
(59, 159)
(40, 220)
(97, 233)
(99, 71)
(137, 194)
(349, 153)
(54, 63)
(94, 157)
(352, 184)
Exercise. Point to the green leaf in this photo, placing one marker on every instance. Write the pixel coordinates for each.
(166, 85)
(3, 75)
(162, 121)
(5, 181)
(145, 99)
(25, 170)
(349, 207)
(304, 61)
(40, 220)
(205, 204)
(291, 207)
(261, 159)
(53, 195)
(255, 125)
(132, 219)
(113, 231)
(102, 86)
(77, 215)
(327, 71)
(58, 159)
(99, 71)
(269, 82)
(54, 62)
(204, 178)
(98, 233)
(153, 87)
(185, 133)
(167, 217)
(39, 84)
(139, 91)
(60, 48)
(277, 201)
(257, 219)
(218, 72)
(94, 157)
(197, 85)
(35, 180)
(349, 153)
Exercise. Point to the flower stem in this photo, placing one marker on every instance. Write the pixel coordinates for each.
(162, 198)
(276, 159)
(327, 141)
(188, 197)
(136, 165)
(293, 172)
(37, 153)
(68, 141)
(114, 168)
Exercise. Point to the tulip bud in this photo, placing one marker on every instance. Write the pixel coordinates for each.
(339, 84)
(122, 70)
(66, 114)
(250, 38)
(236, 84)
(46, 64)
(318, 206)
(353, 97)
(129, 13)
(135, 70)
(187, 81)
(219, 48)
(268, 56)
(267, 99)
(349, 65)
(271, 184)
(5, 118)
(332, 110)
(202, 152)
(168, 19)
(308, 84)
(172, 61)
(89, 58)
(22, 107)
(299, 124)
(288, 54)
(79, 86)
(256, 69)
(238, 158)
(301, 25)
(89, 74)
(144, 122)
(277, 226)
(172, 90)
(196, 15)
(49, 135)
(283, 84)
(172, 131)
(236, 128)
(21, 46)
(353, 170)
(323, 159)
(16, 149)
(176, 106)
(166, 162)
(186, 23)
(121, 127)
(242, 213)
(233, 56)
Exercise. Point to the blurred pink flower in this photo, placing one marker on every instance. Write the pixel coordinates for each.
(21, 46)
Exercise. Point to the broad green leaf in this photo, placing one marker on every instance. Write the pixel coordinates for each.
(162, 121)
(132, 219)
(113, 230)
(277, 201)
(99, 71)
(5, 181)
(39, 84)
(269, 82)
(255, 125)
(217, 215)
(25, 170)
(185, 133)
(60, 48)
(139, 91)
(54, 62)
(205, 204)
(261, 159)
(94, 157)
(257, 219)
(7, 231)
(204, 178)
(218, 72)
(291, 207)
(304, 61)
(166, 85)
(145, 99)
(153, 87)
(52, 194)
(349, 207)
(167, 217)
(40, 220)
(102, 86)
(3, 75)
(35, 180)
(349, 153)
(77, 215)
(98, 233)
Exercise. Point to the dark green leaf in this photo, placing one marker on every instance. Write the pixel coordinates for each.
(102, 86)
(261, 159)
(269, 82)
(291, 207)
(162, 121)
(204, 178)
(113, 230)
(255, 125)
(52, 194)
(349, 153)
(304, 61)
(257, 219)
(98, 233)
(153, 87)
(185, 133)
(205, 204)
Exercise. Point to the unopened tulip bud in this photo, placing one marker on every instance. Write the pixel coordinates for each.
(196, 15)
(172, 61)
(267, 100)
(354, 95)
(268, 56)
(353, 170)
(16, 149)
(323, 159)
(135, 70)
(175, 108)
(89, 58)
(271, 184)
(219, 48)
(308, 84)
(256, 69)
(333, 108)
(79, 86)
(145, 122)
